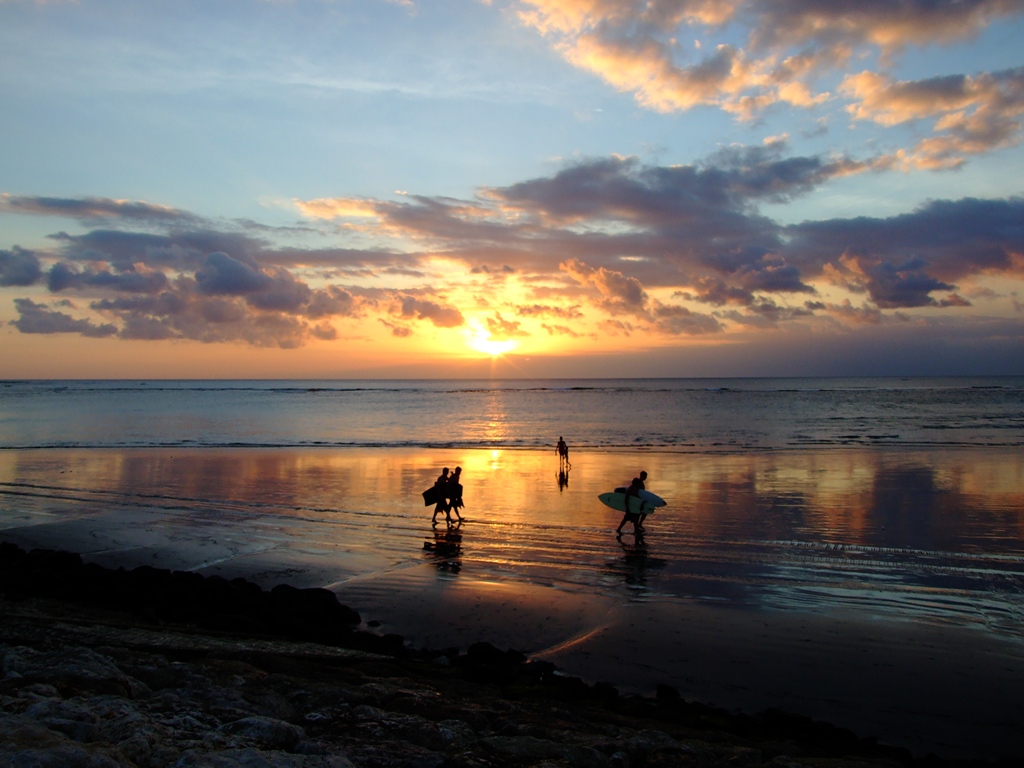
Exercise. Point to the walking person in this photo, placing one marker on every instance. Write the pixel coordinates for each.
(636, 518)
(454, 494)
(563, 455)
(441, 492)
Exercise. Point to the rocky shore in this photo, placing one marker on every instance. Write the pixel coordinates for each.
(153, 668)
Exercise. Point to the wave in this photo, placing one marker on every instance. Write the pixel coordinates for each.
(719, 386)
(796, 444)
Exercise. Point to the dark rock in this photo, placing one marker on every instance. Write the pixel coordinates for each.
(255, 758)
(267, 732)
(527, 750)
(667, 693)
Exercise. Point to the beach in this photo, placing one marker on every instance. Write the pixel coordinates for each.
(843, 585)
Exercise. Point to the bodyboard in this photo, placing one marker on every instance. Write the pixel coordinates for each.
(430, 496)
(637, 506)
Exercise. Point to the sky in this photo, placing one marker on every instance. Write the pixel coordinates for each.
(513, 188)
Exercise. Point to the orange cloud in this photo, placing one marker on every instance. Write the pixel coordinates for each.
(973, 114)
(635, 45)
(337, 208)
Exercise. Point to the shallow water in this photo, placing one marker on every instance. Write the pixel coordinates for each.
(933, 535)
(764, 565)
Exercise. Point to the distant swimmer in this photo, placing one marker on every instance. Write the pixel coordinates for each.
(563, 455)
(637, 519)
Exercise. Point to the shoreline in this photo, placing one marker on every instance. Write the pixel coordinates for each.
(831, 583)
(50, 605)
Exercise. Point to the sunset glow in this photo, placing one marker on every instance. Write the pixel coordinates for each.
(557, 188)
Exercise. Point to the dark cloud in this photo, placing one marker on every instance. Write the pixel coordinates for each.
(91, 209)
(609, 234)
(767, 314)
(19, 267)
(38, 318)
(716, 195)
(331, 301)
(676, 320)
(63, 275)
(184, 313)
(421, 309)
(902, 259)
(904, 285)
(227, 276)
(714, 290)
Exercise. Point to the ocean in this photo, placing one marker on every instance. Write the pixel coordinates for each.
(694, 415)
(850, 549)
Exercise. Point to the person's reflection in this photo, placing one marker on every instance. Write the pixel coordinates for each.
(563, 479)
(636, 561)
(446, 549)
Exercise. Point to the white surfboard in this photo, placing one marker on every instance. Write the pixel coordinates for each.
(644, 503)
(652, 499)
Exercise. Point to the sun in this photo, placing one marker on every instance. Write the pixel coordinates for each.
(493, 347)
(480, 340)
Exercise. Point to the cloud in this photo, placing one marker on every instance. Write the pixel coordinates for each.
(63, 275)
(38, 318)
(900, 260)
(400, 331)
(225, 275)
(549, 310)
(676, 320)
(620, 293)
(19, 267)
(411, 307)
(184, 313)
(337, 208)
(501, 329)
(714, 290)
(624, 189)
(775, 51)
(93, 209)
(973, 114)
(599, 239)
(625, 295)
(560, 330)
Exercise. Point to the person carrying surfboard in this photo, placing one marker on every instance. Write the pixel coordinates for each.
(636, 518)
(440, 493)
(454, 494)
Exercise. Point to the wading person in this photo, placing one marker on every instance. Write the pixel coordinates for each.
(441, 492)
(563, 455)
(636, 518)
(454, 495)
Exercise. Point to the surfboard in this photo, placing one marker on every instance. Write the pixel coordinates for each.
(652, 499)
(644, 504)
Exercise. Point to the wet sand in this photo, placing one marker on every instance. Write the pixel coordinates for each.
(879, 590)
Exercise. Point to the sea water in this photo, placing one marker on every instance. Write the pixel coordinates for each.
(665, 414)
(829, 545)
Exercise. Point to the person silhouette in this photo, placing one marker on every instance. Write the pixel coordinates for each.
(441, 491)
(636, 518)
(454, 494)
(563, 454)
